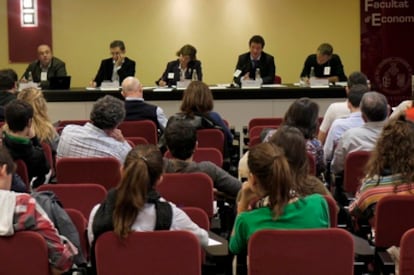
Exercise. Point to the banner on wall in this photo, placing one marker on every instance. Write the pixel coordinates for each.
(387, 47)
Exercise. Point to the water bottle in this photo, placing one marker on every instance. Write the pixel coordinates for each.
(30, 77)
(258, 77)
(194, 76)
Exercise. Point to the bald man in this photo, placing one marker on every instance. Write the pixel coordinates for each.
(136, 108)
(45, 67)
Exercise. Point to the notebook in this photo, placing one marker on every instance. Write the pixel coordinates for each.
(59, 82)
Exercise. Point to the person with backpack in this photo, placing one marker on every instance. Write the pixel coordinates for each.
(135, 205)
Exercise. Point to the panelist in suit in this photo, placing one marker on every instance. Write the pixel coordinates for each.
(254, 59)
(47, 66)
(325, 64)
(185, 67)
(116, 68)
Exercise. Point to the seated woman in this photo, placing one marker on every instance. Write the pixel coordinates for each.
(185, 67)
(390, 169)
(197, 107)
(271, 178)
(135, 205)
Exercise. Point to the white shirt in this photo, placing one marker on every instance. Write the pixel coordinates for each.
(334, 111)
(146, 219)
(90, 141)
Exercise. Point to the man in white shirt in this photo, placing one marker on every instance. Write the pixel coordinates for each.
(339, 109)
(100, 137)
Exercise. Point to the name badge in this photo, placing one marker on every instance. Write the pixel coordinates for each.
(170, 76)
(327, 70)
(43, 76)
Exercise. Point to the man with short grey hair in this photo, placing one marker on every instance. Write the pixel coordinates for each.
(100, 137)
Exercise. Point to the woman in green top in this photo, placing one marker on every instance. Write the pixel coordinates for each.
(270, 177)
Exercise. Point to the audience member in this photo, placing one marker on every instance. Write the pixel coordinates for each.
(256, 58)
(116, 68)
(135, 205)
(340, 109)
(100, 137)
(340, 125)
(390, 169)
(47, 66)
(22, 143)
(325, 64)
(136, 108)
(181, 139)
(8, 88)
(41, 124)
(374, 108)
(185, 67)
(271, 177)
(20, 212)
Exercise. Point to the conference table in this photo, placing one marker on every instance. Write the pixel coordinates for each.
(236, 105)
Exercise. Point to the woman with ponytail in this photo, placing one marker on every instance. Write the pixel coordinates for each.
(270, 179)
(135, 205)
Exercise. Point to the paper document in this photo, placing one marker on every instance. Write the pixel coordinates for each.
(163, 89)
(212, 242)
(272, 85)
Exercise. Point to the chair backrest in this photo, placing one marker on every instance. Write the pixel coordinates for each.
(80, 223)
(134, 141)
(407, 253)
(258, 129)
(204, 154)
(254, 141)
(104, 171)
(25, 252)
(393, 217)
(312, 163)
(354, 170)
(21, 170)
(140, 128)
(314, 251)
(213, 138)
(79, 196)
(278, 79)
(275, 121)
(63, 123)
(333, 211)
(49, 156)
(198, 216)
(156, 253)
(188, 189)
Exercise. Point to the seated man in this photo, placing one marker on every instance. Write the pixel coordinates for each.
(340, 109)
(98, 138)
(136, 108)
(181, 139)
(8, 88)
(23, 144)
(325, 65)
(47, 66)
(116, 68)
(374, 109)
(25, 214)
(256, 58)
(340, 125)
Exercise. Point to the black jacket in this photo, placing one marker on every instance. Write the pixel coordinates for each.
(174, 68)
(266, 65)
(107, 66)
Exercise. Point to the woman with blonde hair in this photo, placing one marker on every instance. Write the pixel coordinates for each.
(41, 124)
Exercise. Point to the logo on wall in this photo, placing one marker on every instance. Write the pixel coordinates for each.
(393, 75)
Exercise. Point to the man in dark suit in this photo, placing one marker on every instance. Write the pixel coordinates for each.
(47, 66)
(185, 67)
(255, 59)
(116, 68)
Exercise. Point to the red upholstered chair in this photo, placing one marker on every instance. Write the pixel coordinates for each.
(257, 130)
(278, 79)
(134, 141)
(407, 253)
(104, 171)
(156, 253)
(49, 156)
(333, 211)
(188, 189)
(313, 251)
(213, 138)
(254, 141)
(275, 121)
(354, 170)
(204, 154)
(140, 128)
(63, 123)
(25, 252)
(312, 164)
(80, 223)
(79, 196)
(393, 217)
(198, 216)
(21, 170)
